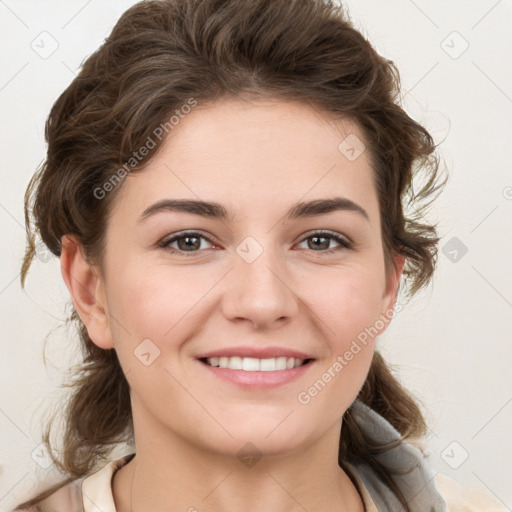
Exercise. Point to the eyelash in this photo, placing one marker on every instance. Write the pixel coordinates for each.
(344, 243)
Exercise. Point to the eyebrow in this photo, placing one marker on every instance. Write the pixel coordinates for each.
(217, 211)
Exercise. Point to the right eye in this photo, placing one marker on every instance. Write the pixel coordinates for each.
(189, 243)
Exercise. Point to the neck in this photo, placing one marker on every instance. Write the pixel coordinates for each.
(193, 479)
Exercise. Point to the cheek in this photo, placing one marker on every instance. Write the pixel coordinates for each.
(152, 314)
(152, 300)
(153, 310)
(348, 307)
(348, 302)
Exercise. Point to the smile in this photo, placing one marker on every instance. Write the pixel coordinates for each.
(252, 364)
(253, 374)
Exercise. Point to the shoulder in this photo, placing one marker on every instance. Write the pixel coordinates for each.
(67, 498)
(421, 486)
(94, 490)
(459, 498)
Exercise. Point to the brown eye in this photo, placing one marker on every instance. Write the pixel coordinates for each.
(320, 241)
(187, 242)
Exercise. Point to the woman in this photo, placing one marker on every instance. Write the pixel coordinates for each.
(224, 187)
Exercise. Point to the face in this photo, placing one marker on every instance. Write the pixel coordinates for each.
(267, 277)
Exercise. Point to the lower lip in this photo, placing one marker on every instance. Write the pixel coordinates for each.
(258, 379)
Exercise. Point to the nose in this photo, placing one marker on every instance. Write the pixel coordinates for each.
(260, 292)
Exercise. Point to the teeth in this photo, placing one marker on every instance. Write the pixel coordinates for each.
(251, 364)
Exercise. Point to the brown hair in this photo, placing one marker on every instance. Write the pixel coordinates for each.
(160, 54)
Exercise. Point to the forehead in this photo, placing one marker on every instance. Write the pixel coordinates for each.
(257, 153)
(243, 130)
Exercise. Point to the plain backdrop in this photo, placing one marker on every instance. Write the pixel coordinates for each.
(451, 345)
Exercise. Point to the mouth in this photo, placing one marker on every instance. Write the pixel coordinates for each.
(253, 364)
(251, 373)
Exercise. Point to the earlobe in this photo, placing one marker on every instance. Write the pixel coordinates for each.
(87, 291)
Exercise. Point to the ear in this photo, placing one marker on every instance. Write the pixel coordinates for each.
(87, 291)
(390, 293)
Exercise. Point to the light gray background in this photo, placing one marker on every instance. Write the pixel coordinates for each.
(451, 345)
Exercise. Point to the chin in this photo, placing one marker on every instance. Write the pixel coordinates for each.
(264, 437)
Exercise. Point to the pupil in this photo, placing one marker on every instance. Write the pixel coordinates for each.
(186, 243)
(325, 245)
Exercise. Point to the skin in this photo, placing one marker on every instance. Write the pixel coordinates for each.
(257, 158)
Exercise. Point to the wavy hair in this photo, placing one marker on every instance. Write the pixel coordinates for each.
(160, 54)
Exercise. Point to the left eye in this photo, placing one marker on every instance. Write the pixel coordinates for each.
(318, 237)
(190, 242)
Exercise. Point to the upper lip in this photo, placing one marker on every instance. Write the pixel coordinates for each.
(256, 352)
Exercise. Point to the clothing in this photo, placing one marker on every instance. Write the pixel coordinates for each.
(423, 490)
